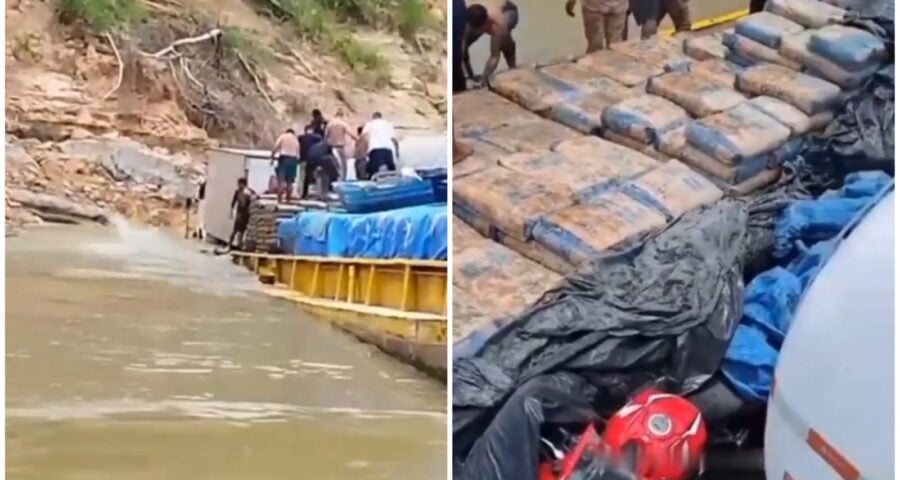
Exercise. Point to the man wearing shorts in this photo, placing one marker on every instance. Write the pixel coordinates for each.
(240, 210)
(287, 154)
(498, 20)
(648, 14)
(604, 21)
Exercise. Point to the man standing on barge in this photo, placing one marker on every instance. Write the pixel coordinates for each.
(287, 155)
(604, 21)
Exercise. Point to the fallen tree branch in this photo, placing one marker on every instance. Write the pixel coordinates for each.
(210, 35)
(256, 81)
(121, 68)
(190, 76)
(308, 71)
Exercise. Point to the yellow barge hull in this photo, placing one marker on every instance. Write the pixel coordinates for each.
(399, 306)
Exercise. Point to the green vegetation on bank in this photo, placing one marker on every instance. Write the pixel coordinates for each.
(328, 23)
(101, 16)
(245, 42)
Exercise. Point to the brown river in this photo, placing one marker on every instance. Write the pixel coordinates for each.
(131, 356)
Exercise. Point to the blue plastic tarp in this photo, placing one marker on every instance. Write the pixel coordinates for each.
(411, 233)
(806, 233)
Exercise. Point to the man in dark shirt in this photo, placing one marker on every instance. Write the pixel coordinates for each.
(308, 140)
(321, 165)
(240, 210)
(318, 123)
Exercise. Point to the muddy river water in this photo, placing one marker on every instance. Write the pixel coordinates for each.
(546, 33)
(131, 356)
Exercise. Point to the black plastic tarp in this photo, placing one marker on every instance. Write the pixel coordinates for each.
(664, 310)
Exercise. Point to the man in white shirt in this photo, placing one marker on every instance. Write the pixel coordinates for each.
(382, 141)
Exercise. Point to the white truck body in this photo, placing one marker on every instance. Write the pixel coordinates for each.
(831, 416)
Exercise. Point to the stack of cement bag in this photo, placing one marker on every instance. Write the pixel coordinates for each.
(802, 35)
(491, 283)
(581, 198)
(262, 230)
(757, 38)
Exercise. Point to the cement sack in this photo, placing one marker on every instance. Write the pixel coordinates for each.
(625, 69)
(737, 134)
(753, 184)
(582, 232)
(536, 253)
(465, 236)
(720, 72)
(823, 68)
(766, 28)
(589, 166)
(498, 281)
(694, 93)
(624, 140)
(616, 160)
(480, 110)
(672, 143)
(791, 116)
(673, 189)
(584, 176)
(726, 174)
(644, 117)
(528, 249)
(749, 52)
(509, 201)
(473, 164)
(467, 316)
(536, 135)
(810, 94)
(579, 76)
(705, 47)
(666, 54)
(848, 47)
(738, 59)
(655, 153)
(530, 89)
(809, 13)
(585, 113)
(644, 149)
(485, 149)
(797, 47)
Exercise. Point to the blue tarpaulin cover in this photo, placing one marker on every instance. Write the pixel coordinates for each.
(410, 233)
(806, 233)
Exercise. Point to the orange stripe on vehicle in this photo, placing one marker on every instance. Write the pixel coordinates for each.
(832, 457)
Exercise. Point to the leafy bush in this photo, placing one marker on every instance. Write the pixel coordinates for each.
(101, 16)
(411, 16)
(244, 41)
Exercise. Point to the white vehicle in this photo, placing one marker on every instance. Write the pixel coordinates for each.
(831, 416)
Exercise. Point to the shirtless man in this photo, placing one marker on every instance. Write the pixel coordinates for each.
(336, 134)
(287, 153)
(497, 19)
